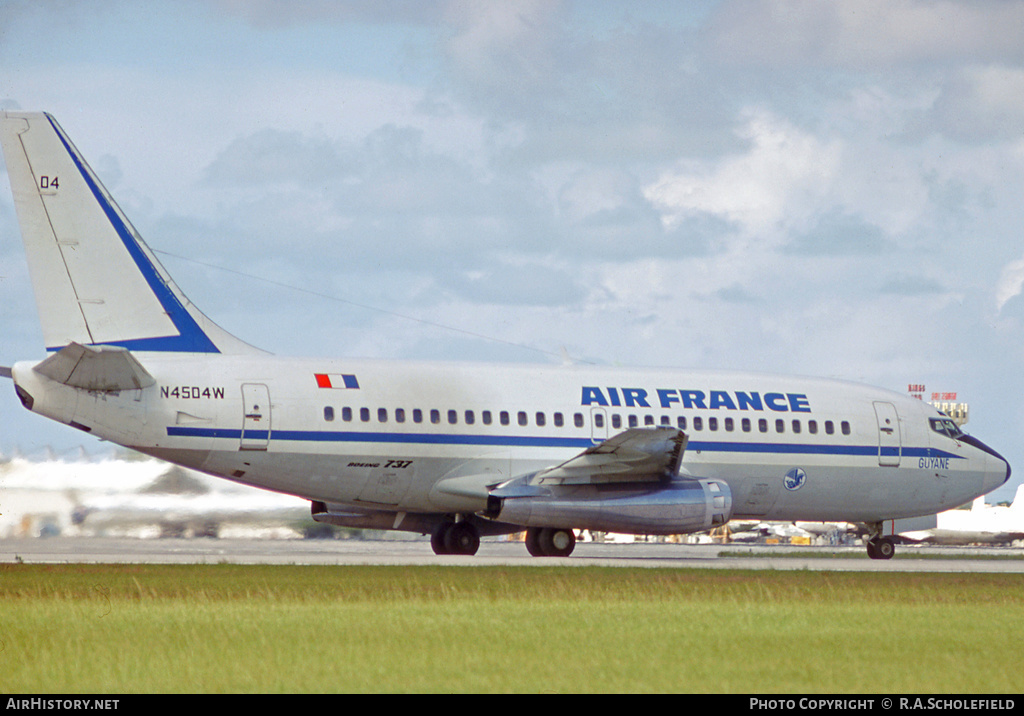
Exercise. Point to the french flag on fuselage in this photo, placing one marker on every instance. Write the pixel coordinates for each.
(336, 380)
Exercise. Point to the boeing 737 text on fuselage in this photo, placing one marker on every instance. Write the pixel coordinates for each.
(454, 450)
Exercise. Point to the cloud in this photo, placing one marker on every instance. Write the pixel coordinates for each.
(866, 35)
(273, 13)
(1011, 284)
(779, 180)
(520, 283)
(980, 103)
(630, 91)
(912, 285)
(838, 232)
(277, 156)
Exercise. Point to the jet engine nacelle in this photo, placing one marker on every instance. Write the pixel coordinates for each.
(677, 508)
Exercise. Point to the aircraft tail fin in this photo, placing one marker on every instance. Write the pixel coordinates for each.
(95, 280)
(1018, 499)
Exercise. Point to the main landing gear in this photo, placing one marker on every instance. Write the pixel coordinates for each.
(464, 538)
(550, 541)
(455, 538)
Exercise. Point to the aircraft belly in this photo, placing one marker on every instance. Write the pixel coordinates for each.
(373, 481)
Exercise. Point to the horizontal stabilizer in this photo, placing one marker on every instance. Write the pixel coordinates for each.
(103, 368)
(636, 455)
(5, 372)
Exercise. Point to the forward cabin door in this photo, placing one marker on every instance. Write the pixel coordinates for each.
(889, 440)
(255, 416)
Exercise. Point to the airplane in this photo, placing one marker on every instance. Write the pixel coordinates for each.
(454, 450)
(132, 496)
(981, 524)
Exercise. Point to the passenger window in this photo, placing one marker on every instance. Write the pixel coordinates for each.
(846, 427)
(666, 420)
(329, 414)
(435, 416)
(522, 418)
(812, 427)
(504, 417)
(382, 415)
(470, 417)
(399, 415)
(780, 426)
(577, 420)
(453, 417)
(541, 420)
(486, 416)
(698, 423)
(346, 414)
(829, 427)
(364, 414)
(633, 422)
(559, 420)
(712, 423)
(417, 415)
(745, 425)
(617, 421)
(648, 420)
(729, 425)
(796, 426)
(681, 422)
(598, 420)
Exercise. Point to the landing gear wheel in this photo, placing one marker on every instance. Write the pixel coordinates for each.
(881, 548)
(558, 542)
(437, 538)
(886, 548)
(533, 541)
(550, 541)
(462, 538)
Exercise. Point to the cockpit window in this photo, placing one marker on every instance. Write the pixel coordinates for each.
(946, 426)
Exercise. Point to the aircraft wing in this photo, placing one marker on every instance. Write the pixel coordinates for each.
(636, 455)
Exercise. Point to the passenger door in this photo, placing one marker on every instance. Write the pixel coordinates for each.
(889, 440)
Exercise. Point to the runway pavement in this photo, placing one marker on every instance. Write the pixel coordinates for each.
(58, 550)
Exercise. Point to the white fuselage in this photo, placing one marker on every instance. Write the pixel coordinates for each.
(381, 434)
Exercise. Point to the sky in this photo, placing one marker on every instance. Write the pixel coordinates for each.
(828, 189)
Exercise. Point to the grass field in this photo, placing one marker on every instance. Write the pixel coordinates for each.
(234, 628)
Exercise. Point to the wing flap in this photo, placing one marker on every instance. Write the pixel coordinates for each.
(101, 368)
(636, 455)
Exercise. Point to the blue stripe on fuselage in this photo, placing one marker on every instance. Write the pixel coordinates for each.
(537, 441)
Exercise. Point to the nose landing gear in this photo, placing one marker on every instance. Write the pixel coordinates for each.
(881, 547)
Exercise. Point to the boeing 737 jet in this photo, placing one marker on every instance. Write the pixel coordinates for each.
(453, 450)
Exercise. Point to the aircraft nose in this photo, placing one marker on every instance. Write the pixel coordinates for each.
(997, 468)
(997, 471)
